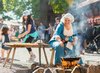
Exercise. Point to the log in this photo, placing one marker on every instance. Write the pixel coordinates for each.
(93, 69)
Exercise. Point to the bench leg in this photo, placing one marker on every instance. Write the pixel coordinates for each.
(52, 57)
(40, 55)
(7, 57)
(45, 55)
(13, 57)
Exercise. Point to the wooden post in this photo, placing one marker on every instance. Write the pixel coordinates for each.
(7, 57)
(52, 57)
(45, 55)
(13, 56)
(39, 53)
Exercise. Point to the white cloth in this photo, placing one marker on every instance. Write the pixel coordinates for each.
(69, 45)
(68, 33)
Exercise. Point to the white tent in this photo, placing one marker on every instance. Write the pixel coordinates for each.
(87, 2)
(12, 22)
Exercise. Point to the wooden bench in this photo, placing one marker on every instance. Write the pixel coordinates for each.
(26, 45)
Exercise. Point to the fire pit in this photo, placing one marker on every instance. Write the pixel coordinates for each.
(69, 65)
(70, 62)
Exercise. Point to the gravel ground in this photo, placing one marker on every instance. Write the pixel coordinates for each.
(22, 66)
(20, 61)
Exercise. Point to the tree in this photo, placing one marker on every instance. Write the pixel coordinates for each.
(1, 5)
(60, 6)
(36, 8)
(18, 6)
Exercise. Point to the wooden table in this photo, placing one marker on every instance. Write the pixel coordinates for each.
(26, 45)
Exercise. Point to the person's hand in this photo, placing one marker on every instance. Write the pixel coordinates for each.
(61, 44)
(20, 36)
(14, 38)
(73, 43)
(66, 39)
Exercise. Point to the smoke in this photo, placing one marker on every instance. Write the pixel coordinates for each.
(81, 15)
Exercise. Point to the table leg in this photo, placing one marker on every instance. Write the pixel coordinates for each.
(40, 55)
(45, 55)
(7, 57)
(52, 57)
(13, 57)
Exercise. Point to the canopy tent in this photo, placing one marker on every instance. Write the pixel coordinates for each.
(12, 22)
(87, 2)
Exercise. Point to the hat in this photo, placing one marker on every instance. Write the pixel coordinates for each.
(26, 13)
(4, 26)
(68, 15)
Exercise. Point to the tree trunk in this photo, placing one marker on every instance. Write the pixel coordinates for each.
(43, 10)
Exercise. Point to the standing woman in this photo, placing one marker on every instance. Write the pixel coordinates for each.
(50, 31)
(62, 40)
(27, 20)
(41, 31)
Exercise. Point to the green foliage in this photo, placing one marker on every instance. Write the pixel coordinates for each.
(1, 5)
(18, 6)
(59, 6)
(36, 8)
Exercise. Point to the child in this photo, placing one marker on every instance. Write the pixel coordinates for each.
(5, 38)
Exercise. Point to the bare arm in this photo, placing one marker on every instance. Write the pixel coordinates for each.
(59, 39)
(0, 37)
(26, 32)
